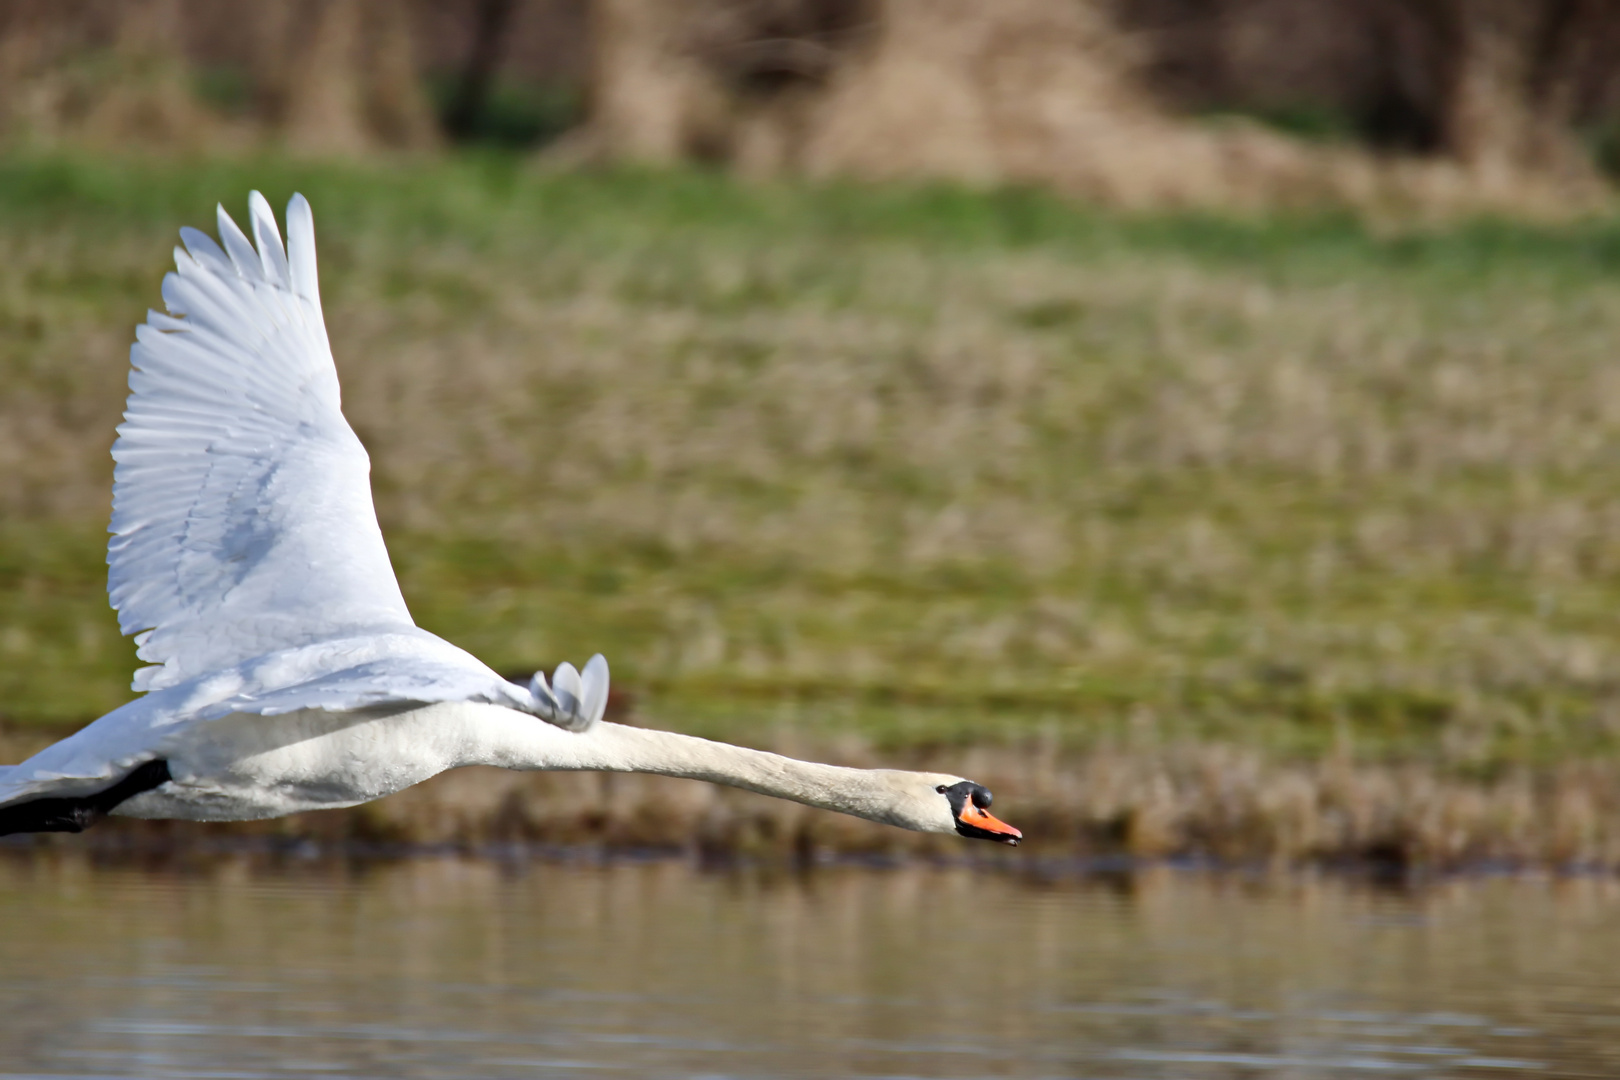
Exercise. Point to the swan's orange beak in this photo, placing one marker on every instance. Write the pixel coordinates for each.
(973, 821)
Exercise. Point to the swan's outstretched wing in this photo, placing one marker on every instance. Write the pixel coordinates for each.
(242, 518)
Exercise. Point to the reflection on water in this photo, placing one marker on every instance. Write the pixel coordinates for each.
(448, 968)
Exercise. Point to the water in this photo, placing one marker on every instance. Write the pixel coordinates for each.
(472, 969)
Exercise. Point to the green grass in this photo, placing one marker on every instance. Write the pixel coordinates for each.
(923, 463)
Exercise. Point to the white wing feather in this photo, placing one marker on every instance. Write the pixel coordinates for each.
(242, 517)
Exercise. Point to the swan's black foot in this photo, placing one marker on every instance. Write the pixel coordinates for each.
(77, 813)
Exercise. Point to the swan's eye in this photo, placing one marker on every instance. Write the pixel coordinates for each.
(942, 789)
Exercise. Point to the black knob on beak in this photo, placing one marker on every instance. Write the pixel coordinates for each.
(982, 797)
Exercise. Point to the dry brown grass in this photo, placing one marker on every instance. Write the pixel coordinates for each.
(1039, 92)
(334, 78)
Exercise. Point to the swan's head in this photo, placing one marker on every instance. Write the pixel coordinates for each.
(932, 802)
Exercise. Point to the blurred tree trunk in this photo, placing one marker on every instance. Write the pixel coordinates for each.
(492, 22)
(650, 98)
(340, 77)
(1510, 98)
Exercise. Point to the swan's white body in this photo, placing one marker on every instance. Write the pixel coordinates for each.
(287, 674)
(243, 766)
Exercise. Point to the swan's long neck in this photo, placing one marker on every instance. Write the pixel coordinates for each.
(525, 743)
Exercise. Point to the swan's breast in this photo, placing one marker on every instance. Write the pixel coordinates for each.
(243, 767)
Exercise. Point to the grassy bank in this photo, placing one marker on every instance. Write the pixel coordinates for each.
(930, 467)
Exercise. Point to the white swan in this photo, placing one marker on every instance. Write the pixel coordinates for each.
(286, 672)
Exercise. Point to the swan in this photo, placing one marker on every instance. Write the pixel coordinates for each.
(284, 671)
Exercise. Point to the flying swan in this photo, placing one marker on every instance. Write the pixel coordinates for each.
(286, 673)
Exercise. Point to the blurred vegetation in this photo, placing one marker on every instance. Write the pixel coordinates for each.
(511, 115)
(930, 465)
(1392, 108)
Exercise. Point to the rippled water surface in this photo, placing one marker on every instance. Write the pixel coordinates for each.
(449, 968)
